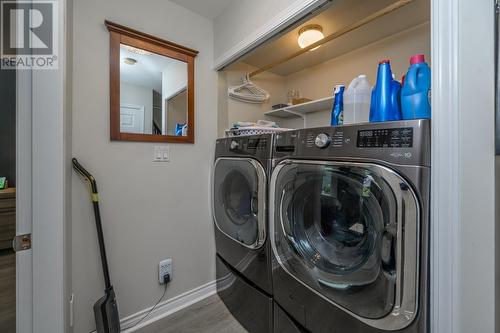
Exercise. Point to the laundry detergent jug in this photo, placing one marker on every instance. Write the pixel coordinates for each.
(416, 91)
(385, 101)
(357, 101)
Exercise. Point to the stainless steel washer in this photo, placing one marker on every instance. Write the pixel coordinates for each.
(349, 214)
(243, 261)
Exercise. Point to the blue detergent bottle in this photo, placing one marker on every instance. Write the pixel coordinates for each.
(385, 101)
(338, 106)
(415, 94)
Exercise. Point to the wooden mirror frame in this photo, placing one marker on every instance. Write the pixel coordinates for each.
(122, 35)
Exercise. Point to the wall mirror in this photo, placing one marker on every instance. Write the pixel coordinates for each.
(151, 88)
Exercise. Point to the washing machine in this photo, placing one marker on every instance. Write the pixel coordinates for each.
(349, 226)
(243, 261)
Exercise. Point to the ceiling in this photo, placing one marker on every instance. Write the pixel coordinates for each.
(207, 8)
(147, 72)
(339, 14)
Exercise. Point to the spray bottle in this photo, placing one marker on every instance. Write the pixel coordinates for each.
(338, 106)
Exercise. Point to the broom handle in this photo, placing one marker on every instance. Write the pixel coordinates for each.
(95, 202)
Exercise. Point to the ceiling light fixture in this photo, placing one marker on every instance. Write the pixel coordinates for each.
(130, 61)
(135, 50)
(310, 34)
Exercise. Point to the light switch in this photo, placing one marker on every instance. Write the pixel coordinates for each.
(161, 154)
(166, 154)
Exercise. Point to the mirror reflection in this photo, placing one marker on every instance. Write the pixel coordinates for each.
(153, 93)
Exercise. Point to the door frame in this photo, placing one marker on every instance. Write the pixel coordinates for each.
(24, 269)
(43, 168)
(462, 207)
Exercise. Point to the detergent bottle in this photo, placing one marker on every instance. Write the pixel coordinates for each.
(357, 101)
(415, 94)
(338, 106)
(385, 101)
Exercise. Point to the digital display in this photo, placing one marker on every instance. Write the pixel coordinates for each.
(386, 138)
(260, 143)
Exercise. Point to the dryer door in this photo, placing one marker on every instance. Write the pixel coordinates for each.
(239, 200)
(348, 231)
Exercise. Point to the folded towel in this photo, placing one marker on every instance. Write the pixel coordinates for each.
(259, 123)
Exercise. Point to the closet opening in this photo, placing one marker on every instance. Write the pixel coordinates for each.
(280, 83)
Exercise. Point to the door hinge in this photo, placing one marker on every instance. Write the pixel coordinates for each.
(21, 242)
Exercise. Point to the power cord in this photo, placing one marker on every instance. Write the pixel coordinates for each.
(166, 281)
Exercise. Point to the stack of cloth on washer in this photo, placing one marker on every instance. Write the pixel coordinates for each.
(251, 128)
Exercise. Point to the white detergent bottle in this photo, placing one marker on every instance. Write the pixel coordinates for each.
(357, 101)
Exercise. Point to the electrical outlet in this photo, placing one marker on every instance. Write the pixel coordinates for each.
(164, 267)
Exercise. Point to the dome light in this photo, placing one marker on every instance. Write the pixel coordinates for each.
(310, 34)
(130, 61)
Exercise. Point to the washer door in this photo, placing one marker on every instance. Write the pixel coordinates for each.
(239, 200)
(347, 231)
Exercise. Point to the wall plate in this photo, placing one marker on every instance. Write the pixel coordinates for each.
(164, 267)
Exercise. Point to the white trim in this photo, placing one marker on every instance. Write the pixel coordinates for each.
(445, 172)
(24, 267)
(49, 189)
(291, 14)
(170, 306)
(176, 92)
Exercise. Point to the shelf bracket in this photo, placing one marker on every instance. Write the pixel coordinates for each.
(298, 114)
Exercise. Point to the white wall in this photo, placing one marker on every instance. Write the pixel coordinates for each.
(150, 211)
(139, 95)
(476, 119)
(242, 18)
(243, 23)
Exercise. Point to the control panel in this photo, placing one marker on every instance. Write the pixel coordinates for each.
(257, 143)
(249, 144)
(328, 137)
(257, 146)
(385, 138)
(402, 142)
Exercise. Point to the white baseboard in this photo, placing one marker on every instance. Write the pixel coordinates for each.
(169, 306)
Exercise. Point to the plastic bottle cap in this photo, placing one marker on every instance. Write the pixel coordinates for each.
(417, 59)
(362, 76)
(384, 61)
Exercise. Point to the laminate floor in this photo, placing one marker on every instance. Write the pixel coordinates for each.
(207, 316)
(7, 291)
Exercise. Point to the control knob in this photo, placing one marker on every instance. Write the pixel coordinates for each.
(322, 140)
(234, 145)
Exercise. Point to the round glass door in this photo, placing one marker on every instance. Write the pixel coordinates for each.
(239, 200)
(335, 230)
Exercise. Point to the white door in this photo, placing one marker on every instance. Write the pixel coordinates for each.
(131, 118)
